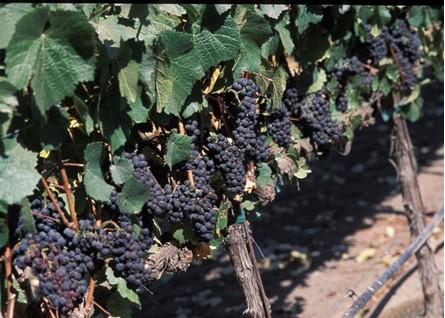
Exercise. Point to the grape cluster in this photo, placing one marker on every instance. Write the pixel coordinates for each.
(192, 130)
(200, 198)
(58, 256)
(349, 67)
(280, 125)
(127, 251)
(406, 46)
(377, 44)
(246, 134)
(313, 109)
(292, 101)
(342, 103)
(156, 204)
(228, 160)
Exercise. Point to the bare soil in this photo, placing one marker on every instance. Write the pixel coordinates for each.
(327, 241)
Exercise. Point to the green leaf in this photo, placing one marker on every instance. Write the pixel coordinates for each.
(55, 129)
(84, 114)
(4, 231)
(270, 46)
(115, 122)
(109, 29)
(319, 80)
(222, 221)
(27, 218)
(249, 59)
(122, 170)
(179, 148)
(94, 182)
(278, 85)
(122, 287)
(221, 8)
(45, 59)
(8, 102)
(172, 8)
(128, 81)
(264, 174)
(284, 34)
(222, 45)
(10, 14)
(132, 197)
(307, 15)
(273, 10)
(17, 169)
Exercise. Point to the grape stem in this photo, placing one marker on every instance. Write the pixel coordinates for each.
(54, 201)
(394, 57)
(67, 188)
(73, 164)
(101, 308)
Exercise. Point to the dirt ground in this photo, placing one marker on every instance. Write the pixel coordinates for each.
(337, 234)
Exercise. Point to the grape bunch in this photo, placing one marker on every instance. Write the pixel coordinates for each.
(59, 257)
(342, 103)
(228, 160)
(377, 44)
(156, 204)
(251, 144)
(201, 199)
(292, 101)
(313, 109)
(192, 130)
(127, 252)
(349, 67)
(280, 125)
(406, 46)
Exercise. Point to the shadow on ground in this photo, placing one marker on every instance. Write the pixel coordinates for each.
(337, 199)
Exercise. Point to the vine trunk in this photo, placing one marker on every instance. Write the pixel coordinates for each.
(406, 163)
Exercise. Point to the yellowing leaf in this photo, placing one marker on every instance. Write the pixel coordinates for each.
(366, 254)
(44, 153)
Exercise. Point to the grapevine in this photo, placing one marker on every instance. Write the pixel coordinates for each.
(125, 130)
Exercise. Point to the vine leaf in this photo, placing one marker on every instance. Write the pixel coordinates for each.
(122, 287)
(179, 148)
(28, 225)
(273, 10)
(7, 104)
(307, 15)
(4, 231)
(109, 29)
(284, 34)
(121, 171)
(9, 15)
(17, 166)
(128, 81)
(45, 59)
(132, 197)
(95, 185)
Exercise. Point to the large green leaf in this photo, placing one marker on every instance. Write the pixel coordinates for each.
(132, 197)
(307, 15)
(9, 15)
(179, 148)
(128, 81)
(121, 171)
(284, 33)
(273, 10)
(17, 170)
(8, 102)
(94, 182)
(122, 287)
(215, 47)
(45, 59)
(109, 29)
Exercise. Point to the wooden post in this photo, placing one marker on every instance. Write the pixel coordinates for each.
(406, 163)
(239, 248)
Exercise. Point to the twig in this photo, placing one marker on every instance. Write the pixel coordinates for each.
(101, 308)
(394, 57)
(9, 293)
(416, 244)
(54, 201)
(45, 217)
(67, 187)
(73, 164)
(90, 294)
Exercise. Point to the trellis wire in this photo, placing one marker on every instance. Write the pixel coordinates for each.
(363, 299)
